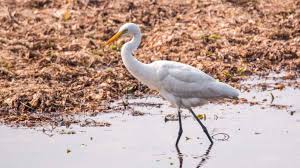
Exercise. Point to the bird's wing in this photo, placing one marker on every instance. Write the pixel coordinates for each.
(182, 72)
(187, 82)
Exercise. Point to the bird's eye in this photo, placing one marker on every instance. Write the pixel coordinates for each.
(125, 31)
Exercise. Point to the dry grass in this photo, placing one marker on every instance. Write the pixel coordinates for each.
(53, 60)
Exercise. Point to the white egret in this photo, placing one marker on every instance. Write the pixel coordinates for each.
(182, 85)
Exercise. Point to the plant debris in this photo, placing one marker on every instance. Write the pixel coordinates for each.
(171, 117)
(53, 60)
(67, 132)
(201, 116)
(137, 113)
(218, 138)
(272, 98)
(93, 123)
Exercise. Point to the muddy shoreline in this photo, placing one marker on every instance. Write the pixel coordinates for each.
(139, 106)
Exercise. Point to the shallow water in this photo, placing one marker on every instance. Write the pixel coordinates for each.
(260, 136)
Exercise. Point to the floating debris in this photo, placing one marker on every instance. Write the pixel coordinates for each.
(93, 123)
(137, 113)
(272, 98)
(68, 132)
(83, 145)
(292, 112)
(201, 116)
(279, 86)
(171, 117)
(218, 138)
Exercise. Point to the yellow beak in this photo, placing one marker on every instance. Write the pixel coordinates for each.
(114, 38)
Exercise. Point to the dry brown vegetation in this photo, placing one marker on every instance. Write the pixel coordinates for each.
(52, 57)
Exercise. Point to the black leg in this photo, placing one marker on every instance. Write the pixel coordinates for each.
(204, 157)
(180, 157)
(180, 128)
(203, 127)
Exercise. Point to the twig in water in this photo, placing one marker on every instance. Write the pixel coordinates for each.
(272, 96)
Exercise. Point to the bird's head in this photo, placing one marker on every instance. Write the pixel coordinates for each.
(128, 28)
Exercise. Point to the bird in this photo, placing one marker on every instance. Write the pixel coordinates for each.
(182, 85)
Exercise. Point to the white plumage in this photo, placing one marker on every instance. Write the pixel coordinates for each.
(182, 85)
(189, 86)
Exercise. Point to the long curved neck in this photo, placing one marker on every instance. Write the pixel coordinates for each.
(135, 67)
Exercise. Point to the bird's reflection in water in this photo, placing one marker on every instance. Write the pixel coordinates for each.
(203, 158)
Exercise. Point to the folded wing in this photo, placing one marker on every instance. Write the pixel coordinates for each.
(188, 82)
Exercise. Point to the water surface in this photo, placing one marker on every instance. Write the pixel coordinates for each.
(260, 136)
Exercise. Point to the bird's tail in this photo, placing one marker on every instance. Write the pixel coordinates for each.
(226, 90)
